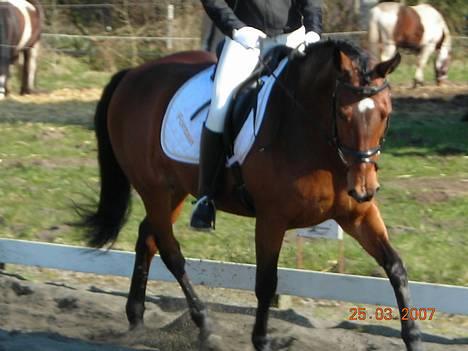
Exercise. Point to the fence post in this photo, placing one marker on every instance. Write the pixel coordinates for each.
(170, 20)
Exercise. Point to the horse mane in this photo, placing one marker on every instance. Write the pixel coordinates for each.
(354, 52)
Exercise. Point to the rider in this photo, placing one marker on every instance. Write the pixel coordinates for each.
(246, 24)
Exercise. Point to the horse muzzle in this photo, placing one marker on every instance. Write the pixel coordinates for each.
(361, 197)
(362, 182)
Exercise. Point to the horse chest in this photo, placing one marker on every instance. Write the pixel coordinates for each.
(314, 193)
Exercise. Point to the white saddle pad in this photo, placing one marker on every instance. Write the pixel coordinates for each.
(181, 130)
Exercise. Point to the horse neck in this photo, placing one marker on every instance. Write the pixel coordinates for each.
(299, 124)
(313, 82)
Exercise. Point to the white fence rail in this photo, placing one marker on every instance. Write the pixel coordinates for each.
(358, 289)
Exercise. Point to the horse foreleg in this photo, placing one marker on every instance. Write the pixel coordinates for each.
(145, 250)
(268, 240)
(388, 51)
(29, 69)
(423, 57)
(371, 233)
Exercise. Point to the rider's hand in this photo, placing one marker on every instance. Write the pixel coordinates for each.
(248, 37)
(311, 37)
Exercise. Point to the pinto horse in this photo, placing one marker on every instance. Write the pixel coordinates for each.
(314, 158)
(20, 31)
(419, 28)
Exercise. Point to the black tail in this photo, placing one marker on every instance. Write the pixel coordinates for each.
(104, 223)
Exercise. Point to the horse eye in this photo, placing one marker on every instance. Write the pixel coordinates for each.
(342, 116)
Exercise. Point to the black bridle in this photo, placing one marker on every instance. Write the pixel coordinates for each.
(359, 156)
(362, 91)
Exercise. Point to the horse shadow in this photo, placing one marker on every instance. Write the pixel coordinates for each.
(19, 341)
(71, 111)
(177, 304)
(428, 125)
(394, 333)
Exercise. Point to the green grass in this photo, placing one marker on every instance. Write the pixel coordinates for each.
(405, 72)
(47, 153)
(57, 71)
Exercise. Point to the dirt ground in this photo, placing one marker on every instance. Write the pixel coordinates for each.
(449, 97)
(83, 312)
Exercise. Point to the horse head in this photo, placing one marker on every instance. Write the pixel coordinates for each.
(442, 62)
(361, 112)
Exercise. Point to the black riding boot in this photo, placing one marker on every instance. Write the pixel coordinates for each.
(211, 165)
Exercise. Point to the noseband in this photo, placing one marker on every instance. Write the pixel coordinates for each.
(359, 156)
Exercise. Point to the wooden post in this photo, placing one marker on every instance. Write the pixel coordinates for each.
(341, 258)
(357, 7)
(170, 20)
(299, 252)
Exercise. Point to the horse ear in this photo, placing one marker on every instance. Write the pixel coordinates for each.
(342, 62)
(382, 69)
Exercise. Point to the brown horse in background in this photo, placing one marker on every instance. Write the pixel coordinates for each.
(315, 158)
(20, 32)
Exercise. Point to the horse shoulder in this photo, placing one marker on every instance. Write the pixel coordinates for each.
(409, 29)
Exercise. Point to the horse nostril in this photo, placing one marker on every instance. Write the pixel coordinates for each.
(360, 198)
(377, 189)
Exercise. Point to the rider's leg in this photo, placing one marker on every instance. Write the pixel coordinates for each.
(235, 65)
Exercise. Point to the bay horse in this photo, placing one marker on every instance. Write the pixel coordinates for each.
(419, 28)
(20, 32)
(315, 158)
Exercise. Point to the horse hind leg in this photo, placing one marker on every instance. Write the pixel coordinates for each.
(158, 225)
(29, 69)
(145, 250)
(371, 233)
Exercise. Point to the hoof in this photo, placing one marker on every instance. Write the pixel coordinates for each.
(261, 343)
(135, 312)
(415, 347)
(135, 326)
(417, 83)
(27, 91)
(211, 343)
(413, 340)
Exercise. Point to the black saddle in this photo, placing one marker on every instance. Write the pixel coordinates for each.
(245, 99)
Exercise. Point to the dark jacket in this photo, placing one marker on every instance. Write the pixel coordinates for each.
(270, 16)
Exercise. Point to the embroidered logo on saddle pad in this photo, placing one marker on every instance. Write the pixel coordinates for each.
(188, 109)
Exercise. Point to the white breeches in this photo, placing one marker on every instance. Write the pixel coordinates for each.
(235, 65)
